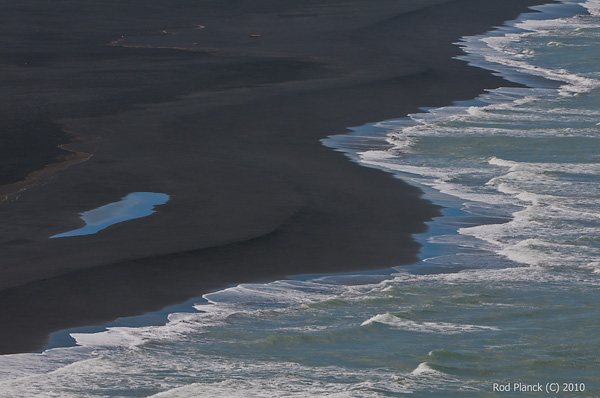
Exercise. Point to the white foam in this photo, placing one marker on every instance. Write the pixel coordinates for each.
(272, 295)
(113, 337)
(540, 168)
(527, 252)
(503, 51)
(424, 368)
(545, 192)
(575, 84)
(520, 274)
(293, 380)
(241, 300)
(404, 168)
(168, 365)
(375, 156)
(424, 327)
(501, 162)
(594, 266)
(18, 366)
(462, 192)
(593, 7)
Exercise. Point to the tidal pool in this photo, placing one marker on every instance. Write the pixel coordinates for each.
(134, 205)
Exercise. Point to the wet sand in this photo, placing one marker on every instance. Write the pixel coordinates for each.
(220, 105)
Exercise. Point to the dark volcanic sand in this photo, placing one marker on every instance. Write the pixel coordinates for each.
(230, 131)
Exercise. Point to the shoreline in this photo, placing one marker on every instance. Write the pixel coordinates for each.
(268, 200)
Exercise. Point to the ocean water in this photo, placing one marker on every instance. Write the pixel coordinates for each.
(505, 301)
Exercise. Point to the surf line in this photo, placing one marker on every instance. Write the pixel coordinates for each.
(135, 205)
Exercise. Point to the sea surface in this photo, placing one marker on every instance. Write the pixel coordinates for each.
(506, 299)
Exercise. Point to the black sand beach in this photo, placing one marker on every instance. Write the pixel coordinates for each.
(221, 105)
